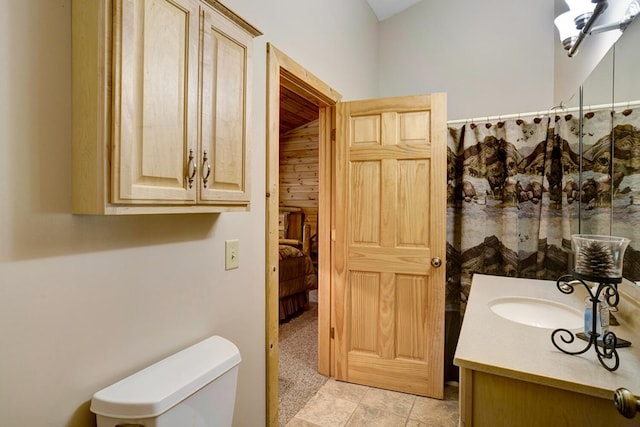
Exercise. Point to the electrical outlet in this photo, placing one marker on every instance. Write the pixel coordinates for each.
(231, 254)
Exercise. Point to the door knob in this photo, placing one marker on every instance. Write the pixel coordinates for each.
(626, 403)
(436, 262)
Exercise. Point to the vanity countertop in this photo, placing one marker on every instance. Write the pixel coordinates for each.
(492, 344)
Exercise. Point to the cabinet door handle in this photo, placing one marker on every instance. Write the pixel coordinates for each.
(192, 168)
(626, 403)
(205, 163)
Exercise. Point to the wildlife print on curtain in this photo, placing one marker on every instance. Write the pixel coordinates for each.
(515, 194)
(504, 188)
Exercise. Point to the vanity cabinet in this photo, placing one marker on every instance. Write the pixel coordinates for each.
(511, 374)
(160, 107)
(488, 400)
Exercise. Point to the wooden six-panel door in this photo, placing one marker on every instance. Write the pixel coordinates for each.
(389, 236)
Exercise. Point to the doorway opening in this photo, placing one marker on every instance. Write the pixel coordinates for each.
(294, 95)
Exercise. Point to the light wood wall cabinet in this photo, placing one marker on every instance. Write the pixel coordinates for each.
(160, 107)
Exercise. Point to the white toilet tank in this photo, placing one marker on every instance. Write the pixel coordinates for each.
(195, 387)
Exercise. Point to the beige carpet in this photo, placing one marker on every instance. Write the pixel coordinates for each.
(298, 378)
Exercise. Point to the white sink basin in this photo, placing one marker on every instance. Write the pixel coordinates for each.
(537, 312)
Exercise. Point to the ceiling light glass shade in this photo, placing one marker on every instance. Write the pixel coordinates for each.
(566, 29)
(582, 10)
(632, 10)
(580, 6)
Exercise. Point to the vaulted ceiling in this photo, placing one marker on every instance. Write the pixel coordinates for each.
(387, 8)
(295, 110)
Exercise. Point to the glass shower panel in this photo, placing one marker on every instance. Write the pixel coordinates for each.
(595, 215)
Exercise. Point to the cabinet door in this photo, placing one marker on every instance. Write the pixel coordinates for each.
(154, 101)
(225, 55)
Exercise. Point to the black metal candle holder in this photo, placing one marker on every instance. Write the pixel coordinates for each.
(606, 347)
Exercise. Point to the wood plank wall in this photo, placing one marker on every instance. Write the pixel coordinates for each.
(299, 171)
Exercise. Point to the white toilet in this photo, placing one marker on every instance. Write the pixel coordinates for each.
(195, 387)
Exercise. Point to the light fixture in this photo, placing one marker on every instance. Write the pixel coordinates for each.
(629, 15)
(576, 24)
(584, 14)
(567, 29)
(582, 11)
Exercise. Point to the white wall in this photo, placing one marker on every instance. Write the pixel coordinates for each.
(627, 85)
(87, 300)
(491, 57)
(335, 40)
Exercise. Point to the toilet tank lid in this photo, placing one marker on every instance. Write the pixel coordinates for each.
(157, 388)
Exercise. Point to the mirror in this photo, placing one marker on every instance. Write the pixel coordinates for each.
(611, 130)
(626, 153)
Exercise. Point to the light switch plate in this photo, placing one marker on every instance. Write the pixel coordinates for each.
(231, 254)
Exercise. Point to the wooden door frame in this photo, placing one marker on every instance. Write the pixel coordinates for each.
(281, 68)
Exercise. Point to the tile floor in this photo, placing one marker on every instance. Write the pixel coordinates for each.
(339, 404)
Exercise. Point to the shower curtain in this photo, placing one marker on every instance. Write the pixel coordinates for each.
(519, 188)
